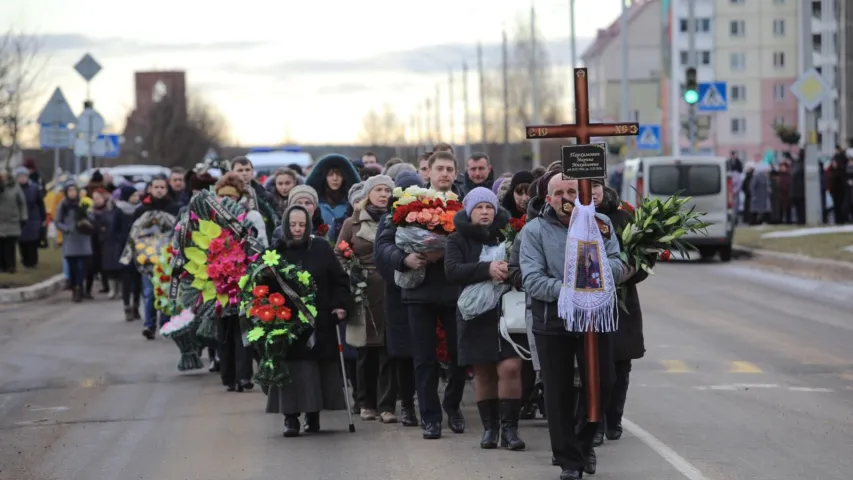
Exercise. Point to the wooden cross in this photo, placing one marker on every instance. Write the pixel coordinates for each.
(582, 130)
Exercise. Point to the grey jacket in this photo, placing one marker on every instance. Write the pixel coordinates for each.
(542, 259)
(74, 243)
(13, 209)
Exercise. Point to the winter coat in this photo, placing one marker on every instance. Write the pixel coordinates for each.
(479, 339)
(120, 225)
(375, 291)
(534, 206)
(398, 336)
(13, 209)
(434, 290)
(333, 215)
(31, 229)
(317, 258)
(628, 343)
(74, 243)
(165, 204)
(542, 260)
(103, 243)
(465, 185)
(759, 187)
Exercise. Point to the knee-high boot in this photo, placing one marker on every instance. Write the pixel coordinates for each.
(489, 414)
(509, 411)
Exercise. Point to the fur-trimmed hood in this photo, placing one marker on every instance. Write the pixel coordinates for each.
(491, 235)
(317, 179)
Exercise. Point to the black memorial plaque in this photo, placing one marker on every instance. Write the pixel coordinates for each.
(585, 162)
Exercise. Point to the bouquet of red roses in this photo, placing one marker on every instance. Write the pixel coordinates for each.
(424, 219)
(512, 230)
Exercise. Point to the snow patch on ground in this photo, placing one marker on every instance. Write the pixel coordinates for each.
(805, 232)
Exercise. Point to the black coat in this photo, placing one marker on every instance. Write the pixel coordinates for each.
(398, 335)
(628, 342)
(479, 341)
(435, 290)
(123, 217)
(333, 291)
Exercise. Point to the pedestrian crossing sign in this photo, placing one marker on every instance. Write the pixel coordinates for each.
(712, 97)
(649, 137)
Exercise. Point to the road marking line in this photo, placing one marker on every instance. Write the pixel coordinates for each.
(809, 389)
(680, 463)
(51, 409)
(744, 367)
(675, 366)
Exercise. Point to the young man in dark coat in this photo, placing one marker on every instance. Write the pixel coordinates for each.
(398, 335)
(434, 299)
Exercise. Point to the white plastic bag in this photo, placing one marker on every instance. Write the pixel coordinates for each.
(479, 298)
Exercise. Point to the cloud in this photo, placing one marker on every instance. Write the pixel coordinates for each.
(349, 88)
(67, 42)
(425, 60)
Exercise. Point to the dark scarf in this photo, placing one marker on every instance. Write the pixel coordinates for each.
(334, 197)
(375, 212)
(287, 239)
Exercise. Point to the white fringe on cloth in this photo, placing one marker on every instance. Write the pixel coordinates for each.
(585, 305)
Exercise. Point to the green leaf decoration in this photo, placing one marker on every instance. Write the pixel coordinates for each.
(255, 334)
(222, 298)
(195, 255)
(202, 240)
(209, 229)
(243, 281)
(271, 258)
(209, 292)
(199, 283)
(277, 332)
(304, 278)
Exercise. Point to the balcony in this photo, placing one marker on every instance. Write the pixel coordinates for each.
(821, 27)
(821, 60)
(827, 125)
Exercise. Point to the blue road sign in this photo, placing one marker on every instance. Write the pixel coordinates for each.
(55, 136)
(112, 145)
(713, 97)
(648, 137)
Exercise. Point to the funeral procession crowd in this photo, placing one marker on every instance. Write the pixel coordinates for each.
(356, 285)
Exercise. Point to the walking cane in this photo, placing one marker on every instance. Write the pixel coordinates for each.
(344, 378)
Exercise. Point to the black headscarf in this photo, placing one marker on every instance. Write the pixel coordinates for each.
(286, 237)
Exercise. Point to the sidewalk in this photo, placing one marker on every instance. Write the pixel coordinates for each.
(830, 243)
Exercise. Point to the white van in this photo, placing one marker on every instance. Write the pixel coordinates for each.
(706, 179)
(267, 161)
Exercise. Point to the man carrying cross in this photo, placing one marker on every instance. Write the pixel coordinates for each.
(556, 249)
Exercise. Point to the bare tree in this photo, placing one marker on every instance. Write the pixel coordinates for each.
(177, 133)
(20, 66)
(519, 86)
(382, 128)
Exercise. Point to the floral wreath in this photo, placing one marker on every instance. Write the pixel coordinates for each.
(277, 320)
(162, 279)
(215, 252)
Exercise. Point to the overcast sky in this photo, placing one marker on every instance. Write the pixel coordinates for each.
(310, 70)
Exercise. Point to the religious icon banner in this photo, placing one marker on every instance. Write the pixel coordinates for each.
(588, 296)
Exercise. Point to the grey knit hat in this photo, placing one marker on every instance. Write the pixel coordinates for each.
(356, 193)
(395, 170)
(302, 191)
(377, 180)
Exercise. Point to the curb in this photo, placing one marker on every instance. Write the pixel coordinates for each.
(38, 291)
(818, 262)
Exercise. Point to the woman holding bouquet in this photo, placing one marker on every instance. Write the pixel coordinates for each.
(497, 365)
(72, 220)
(375, 371)
(315, 371)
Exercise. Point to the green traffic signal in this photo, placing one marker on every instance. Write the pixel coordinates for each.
(691, 96)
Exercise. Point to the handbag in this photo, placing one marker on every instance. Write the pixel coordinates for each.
(356, 328)
(513, 320)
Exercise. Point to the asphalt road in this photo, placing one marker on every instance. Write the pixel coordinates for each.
(748, 375)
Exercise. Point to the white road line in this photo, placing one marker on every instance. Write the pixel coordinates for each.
(680, 463)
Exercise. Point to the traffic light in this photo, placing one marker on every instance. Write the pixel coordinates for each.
(691, 88)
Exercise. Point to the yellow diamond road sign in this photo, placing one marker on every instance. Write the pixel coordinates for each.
(810, 89)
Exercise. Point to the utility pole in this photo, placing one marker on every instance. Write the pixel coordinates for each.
(691, 54)
(623, 36)
(482, 94)
(466, 113)
(505, 62)
(534, 82)
(438, 131)
(808, 127)
(452, 138)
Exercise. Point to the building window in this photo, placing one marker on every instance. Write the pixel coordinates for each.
(738, 62)
(705, 57)
(738, 126)
(703, 25)
(779, 120)
(779, 59)
(779, 92)
(738, 93)
(779, 27)
(702, 57)
(737, 28)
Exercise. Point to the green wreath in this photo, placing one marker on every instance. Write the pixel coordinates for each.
(279, 308)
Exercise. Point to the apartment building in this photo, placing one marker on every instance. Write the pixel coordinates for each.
(823, 45)
(603, 59)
